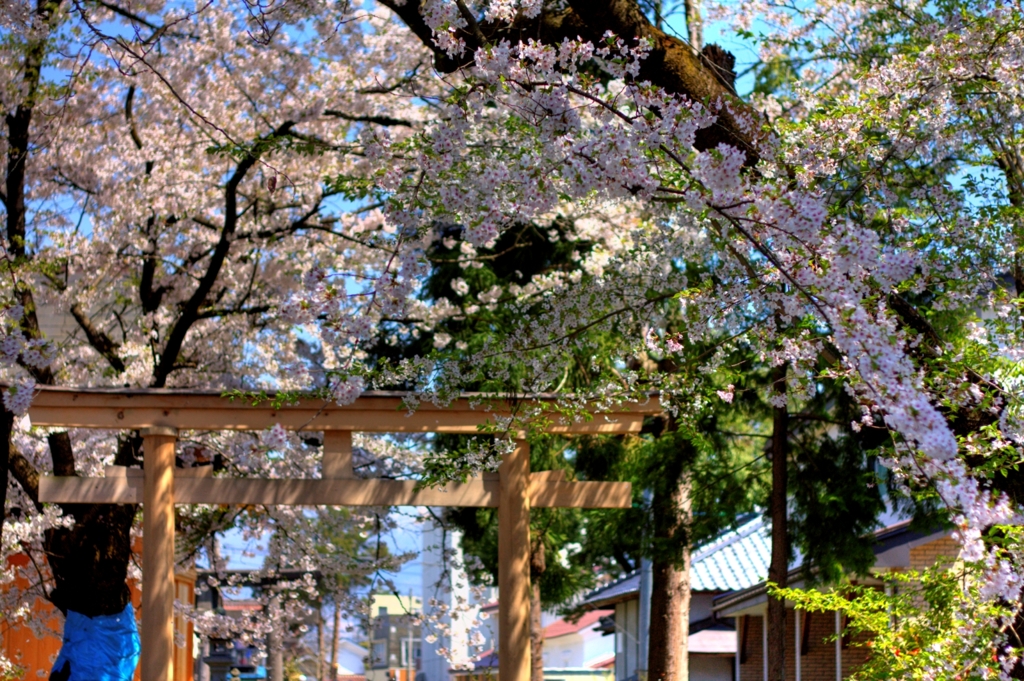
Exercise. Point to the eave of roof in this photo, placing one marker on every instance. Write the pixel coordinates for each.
(562, 627)
(886, 538)
(733, 560)
(623, 589)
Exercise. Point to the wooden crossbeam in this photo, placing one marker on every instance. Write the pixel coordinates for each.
(543, 493)
(373, 412)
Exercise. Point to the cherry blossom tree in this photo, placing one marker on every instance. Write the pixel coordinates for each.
(868, 217)
(239, 196)
(161, 207)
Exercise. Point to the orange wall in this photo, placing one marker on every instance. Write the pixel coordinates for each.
(20, 644)
(37, 654)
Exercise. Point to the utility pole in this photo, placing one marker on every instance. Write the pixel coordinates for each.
(320, 644)
(412, 664)
(643, 638)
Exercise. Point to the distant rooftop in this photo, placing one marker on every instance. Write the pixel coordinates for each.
(395, 605)
(733, 560)
(892, 550)
(562, 627)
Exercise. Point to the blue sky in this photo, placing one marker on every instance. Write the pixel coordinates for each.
(243, 554)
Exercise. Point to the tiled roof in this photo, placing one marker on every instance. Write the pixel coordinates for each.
(621, 589)
(733, 560)
(887, 539)
(561, 627)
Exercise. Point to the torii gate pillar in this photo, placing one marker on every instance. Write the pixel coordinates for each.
(158, 554)
(514, 565)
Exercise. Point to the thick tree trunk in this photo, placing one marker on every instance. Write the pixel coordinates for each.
(1012, 165)
(668, 642)
(90, 560)
(778, 569)
(538, 565)
(6, 426)
(275, 641)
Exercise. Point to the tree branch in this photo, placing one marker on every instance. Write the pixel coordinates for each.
(150, 297)
(409, 13)
(100, 341)
(190, 310)
(131, 16)
(474, 27)
(129, 98)
(379, 120)
(26, 475)
(229, 311)
(672, 64)
(19, 125)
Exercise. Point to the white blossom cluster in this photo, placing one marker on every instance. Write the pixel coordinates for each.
(17, 351)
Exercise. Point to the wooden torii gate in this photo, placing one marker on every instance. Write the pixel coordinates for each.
(160, 414)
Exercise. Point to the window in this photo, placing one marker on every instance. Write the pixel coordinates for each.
(379, 652)
(415, 651)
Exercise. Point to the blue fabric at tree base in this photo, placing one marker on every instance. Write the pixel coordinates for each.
(104, 648)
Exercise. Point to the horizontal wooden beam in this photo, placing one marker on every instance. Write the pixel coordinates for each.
(336, 492)
(373, 412)
(588, 494)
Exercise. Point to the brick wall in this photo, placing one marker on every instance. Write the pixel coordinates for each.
(818, 661)
(927, 555)
(751, 641)
(855, 654)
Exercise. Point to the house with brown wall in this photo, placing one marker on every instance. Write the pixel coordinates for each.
(735, 560)
(813, 650)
